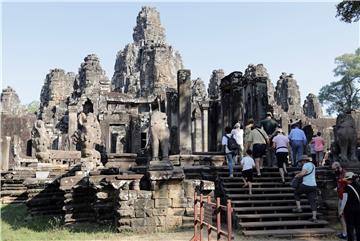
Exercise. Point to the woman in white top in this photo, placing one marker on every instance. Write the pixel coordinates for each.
(238, 134)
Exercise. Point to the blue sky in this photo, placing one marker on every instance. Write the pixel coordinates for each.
(300, 38)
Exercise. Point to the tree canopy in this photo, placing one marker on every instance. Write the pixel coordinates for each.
(348, 11)
(343, 95)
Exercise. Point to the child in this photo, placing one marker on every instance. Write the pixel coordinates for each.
(247, 164)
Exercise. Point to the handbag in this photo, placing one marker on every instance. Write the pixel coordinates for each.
(296, 181)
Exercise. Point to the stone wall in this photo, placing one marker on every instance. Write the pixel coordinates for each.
(168, 205)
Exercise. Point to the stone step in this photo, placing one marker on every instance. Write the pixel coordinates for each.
(265, 174)
(272, 208)
(256, 179)
(265, 202)
(282, 224)
(275, 215)
(260, 189)
(262, 196)
(265, 184)
(290, 232)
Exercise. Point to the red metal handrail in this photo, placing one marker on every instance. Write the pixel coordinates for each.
(199, 202)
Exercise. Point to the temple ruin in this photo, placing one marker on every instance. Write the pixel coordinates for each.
(133, 149)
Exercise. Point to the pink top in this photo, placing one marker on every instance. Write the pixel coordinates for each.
(319, 143)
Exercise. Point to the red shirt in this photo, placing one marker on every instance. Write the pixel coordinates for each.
(341, 184)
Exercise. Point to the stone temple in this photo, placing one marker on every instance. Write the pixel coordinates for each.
(132, 149)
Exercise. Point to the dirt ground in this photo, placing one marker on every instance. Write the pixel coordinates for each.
(186, 235)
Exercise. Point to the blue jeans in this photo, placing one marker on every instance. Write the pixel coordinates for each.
(297, 148)
(229, 159)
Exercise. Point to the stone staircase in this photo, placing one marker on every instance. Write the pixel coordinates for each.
(268, 211)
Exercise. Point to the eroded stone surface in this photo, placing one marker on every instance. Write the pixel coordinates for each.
(287, 95)
(312, 107)
(148, 64)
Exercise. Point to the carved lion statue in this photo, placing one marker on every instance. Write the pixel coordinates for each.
(88, 136)
(345, 137)
(40, 141)
(159, 134)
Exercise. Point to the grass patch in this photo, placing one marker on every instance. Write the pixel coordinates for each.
(16, 226)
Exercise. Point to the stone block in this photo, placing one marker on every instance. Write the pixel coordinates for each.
(150, 221)
(123, 195)
(125, 204)
(179, 202)
(160, 221)
(143, 213)
(160, 211)
(137, 222)
(144, 194)
(189, 212)
(176, 193)
(124, 229)
(144, 204)
(129, 212)
(176, 211)
(173, 221)
(124, 222)
(174, 184)
(133, 194)
(189, 188)
(162, 202)
(160, 191)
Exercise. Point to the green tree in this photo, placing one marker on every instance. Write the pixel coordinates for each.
(33, 106)
(348, 11)
(343, 95)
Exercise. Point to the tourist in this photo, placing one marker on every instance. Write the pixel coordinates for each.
(238, 134)
(247, 163)
(350, 206)
(248, 128)
(308, 186)
(269, 125)
(319, 147)
(327, 158)
(281, 147)
(297, 141)
(228, 153)
(258, 140)
(312, 149)
(341, 183)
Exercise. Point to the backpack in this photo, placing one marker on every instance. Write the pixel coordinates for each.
(232, 144)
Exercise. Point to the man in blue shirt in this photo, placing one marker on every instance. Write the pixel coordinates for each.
(308, 186)
(297, 141)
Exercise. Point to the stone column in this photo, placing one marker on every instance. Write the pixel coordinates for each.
(197, 132)
(5, 153)
(72, 126)
(205, 121)
(184, 110)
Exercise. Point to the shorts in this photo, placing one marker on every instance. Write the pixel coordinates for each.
(259, 150)
(281, 158)
(248, 175)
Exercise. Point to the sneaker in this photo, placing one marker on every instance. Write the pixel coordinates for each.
(259, 174)
(297, 210)
(314, 220)
(341, 236)
(231, 175)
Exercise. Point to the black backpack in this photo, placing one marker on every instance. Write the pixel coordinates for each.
(232, 144)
